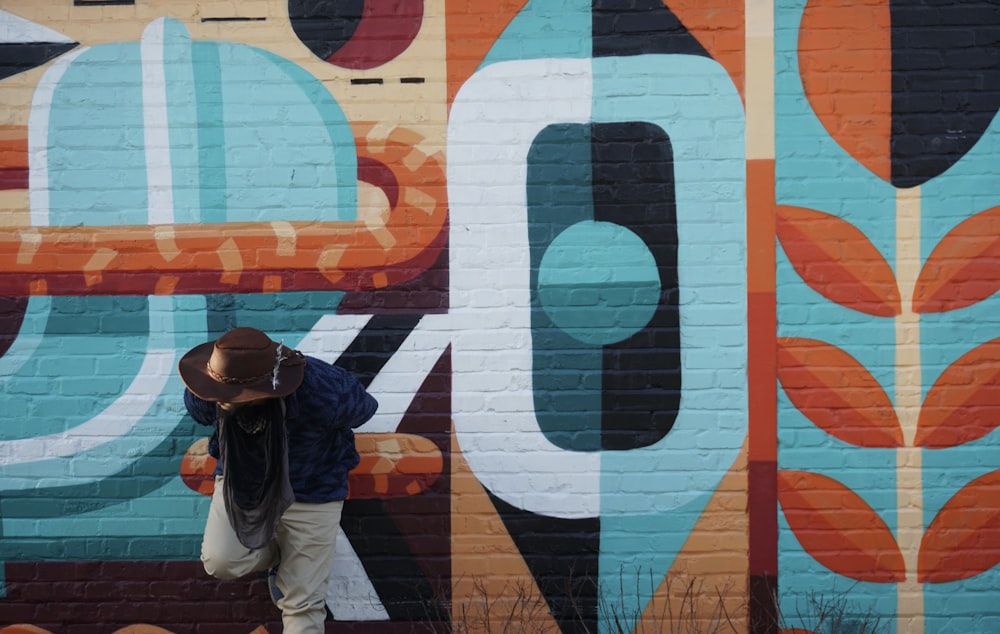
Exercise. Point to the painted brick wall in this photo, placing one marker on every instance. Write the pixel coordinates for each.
(678, 312)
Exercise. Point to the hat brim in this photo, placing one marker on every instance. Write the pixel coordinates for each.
(193, 368)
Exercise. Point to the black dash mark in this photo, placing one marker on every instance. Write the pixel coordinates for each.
(233, 19)
(366, 81)
(411, 80)
(102, 3)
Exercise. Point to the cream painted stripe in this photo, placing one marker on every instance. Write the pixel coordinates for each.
(908, 396)
(759, 88)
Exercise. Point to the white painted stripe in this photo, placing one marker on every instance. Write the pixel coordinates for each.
(494, 120)
(115, 421)
(38, 138)
(156, 126)
(351, 595)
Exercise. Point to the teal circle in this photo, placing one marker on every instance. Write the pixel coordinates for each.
(598, 282)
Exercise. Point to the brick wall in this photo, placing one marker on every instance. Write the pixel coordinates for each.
(671, 308)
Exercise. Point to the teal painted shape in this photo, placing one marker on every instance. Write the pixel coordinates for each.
(566, 373)
(545, 29)
(813, 171)
(966, 189)
(70, 468)
(287, 316)
(274, 110)
(652, 496)
(115, 424)
(94, 141)
(183, 127)
(250, 135)
(212, 186)
(599, 282)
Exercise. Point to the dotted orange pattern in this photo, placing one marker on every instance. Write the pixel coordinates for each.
(244, 256)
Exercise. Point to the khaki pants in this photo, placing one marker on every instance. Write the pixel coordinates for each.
(302, 549)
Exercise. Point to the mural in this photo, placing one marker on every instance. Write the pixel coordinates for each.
(885, 423)
(677, 311)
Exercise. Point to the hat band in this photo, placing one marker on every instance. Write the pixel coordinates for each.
(234, 380)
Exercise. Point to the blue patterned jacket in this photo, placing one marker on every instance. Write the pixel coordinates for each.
(320, 417)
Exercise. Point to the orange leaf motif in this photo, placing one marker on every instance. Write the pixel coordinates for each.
(837, 261)
(964, 403)
(852, 100)
(962, 269)
(963, 540)
(838, 529)
(837, 393)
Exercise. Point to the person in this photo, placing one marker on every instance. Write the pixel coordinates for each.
(283, 436)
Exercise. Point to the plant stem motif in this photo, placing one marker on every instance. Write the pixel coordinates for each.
(840, 396)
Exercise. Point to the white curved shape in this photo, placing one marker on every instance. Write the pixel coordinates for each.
(494, 120)
(117, 420)
(38, 138)
(126, 411)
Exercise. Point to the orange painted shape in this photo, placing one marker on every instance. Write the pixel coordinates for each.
(761, 310)
(221, 256)
(490, 579)
(838, 261)
(21, 628)
(964, 403)
(13, 147)
(839, 529)
(473, 26)
(838, 394)
(198, 468)
(761, 226)
(845, 63)
(962, 269)
(718, 25)
(762, 375)
(394, 465)
(963, 540)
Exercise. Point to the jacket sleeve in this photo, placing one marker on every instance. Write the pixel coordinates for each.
(201, 411)
(357, 406)
(335, 395)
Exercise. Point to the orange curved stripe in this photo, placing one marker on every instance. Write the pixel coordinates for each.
(243, 256)
(845, 62)
(392, 465)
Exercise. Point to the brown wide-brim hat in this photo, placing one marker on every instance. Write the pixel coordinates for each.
(242, 365)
